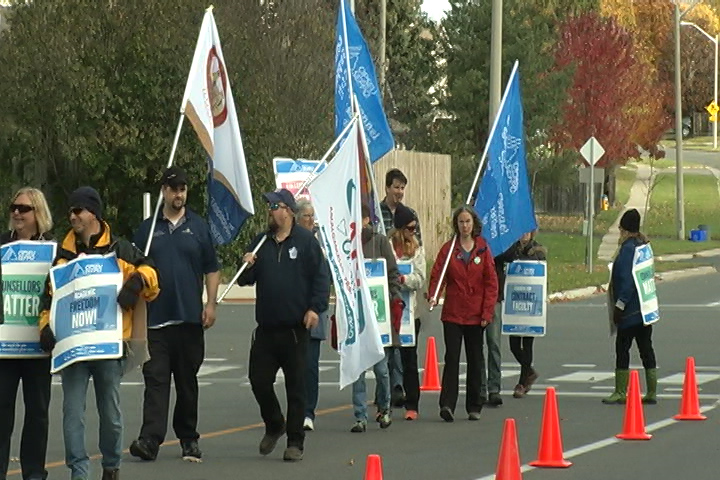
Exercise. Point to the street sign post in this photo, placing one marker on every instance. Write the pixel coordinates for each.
(592, 151)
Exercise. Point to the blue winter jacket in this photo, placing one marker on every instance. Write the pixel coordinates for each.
(623, 286)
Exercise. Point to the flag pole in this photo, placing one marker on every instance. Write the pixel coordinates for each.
(305, 184)
(483, 160)
(347, 60)
(370, 172)
(169, 164)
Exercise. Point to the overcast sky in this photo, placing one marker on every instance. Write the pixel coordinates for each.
(435, 8)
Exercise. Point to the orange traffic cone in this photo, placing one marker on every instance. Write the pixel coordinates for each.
(690, 403)
(373, 468)
(550, 450)
(508, 467)
(431, 376)
(634, 424)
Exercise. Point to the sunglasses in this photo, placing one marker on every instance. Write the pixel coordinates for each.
(411, 228)
(76, 210)
(276, 206)
(21, 208)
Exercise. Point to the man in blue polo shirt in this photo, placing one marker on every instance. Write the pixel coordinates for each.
(184, 255)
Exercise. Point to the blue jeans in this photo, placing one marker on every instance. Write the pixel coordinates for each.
(491, 383)
(312, 377)
(382, 389)
(106, 376)
(396, 368)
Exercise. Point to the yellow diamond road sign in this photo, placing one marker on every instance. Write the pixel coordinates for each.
(713, 109)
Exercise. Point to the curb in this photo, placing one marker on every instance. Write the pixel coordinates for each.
(689, 256)
(585, 292)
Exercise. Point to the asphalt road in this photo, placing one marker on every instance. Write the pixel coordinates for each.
(710, 159)
(576, 358)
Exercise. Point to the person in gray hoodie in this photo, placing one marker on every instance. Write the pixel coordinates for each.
(375, 246)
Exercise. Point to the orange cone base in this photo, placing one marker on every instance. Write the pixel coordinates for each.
(554, 464)
(697, 416)
(634, 436)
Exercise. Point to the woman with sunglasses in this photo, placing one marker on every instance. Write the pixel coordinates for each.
(471, 290)
(407, 248)
(30, 219)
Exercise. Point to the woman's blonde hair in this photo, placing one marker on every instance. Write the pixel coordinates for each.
(397, 238)
(43, 217)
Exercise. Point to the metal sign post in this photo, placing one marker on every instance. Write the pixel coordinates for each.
(592, 151)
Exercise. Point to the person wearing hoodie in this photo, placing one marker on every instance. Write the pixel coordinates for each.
(627, 316)
(471, 289)
(527, 248)
(407, 247)
(376, 245)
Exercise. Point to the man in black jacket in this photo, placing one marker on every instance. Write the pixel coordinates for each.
(292, 284)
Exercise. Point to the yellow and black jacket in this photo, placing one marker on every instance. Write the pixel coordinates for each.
(130, 260)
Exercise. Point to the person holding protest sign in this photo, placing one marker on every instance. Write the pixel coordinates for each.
(305, 217)
(407, 248)
(395, 183)
(375, 246)
(627, 316)
(292, 290)
(471, 290)
(89, 235)
(184, 255)
(527, 248)
(30, 219)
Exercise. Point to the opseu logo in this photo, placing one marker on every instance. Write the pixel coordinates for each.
(79, 271)
(26, 256)
(9, 256)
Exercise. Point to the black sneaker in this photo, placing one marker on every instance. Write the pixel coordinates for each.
(495, 400)
(293, 454)
(397, 398)
(269, 441)
(191, 451)
(144, 449)
(447, 414)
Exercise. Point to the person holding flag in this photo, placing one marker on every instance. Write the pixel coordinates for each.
(471, 290)
(293, 288)
(184, 256)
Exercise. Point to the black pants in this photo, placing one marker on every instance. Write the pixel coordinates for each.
(623, 342)
(271, 350)
(176, 350)
(411, 378)
(36, 379)
(473, 336)
(522, 350)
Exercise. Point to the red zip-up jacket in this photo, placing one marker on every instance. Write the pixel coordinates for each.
(471, 289)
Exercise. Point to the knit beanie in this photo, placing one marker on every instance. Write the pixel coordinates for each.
(87, 198)
(630, 221)
(403, 216)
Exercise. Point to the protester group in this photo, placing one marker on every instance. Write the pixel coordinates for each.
(287, 265)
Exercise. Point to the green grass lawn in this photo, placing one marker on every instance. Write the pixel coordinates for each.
(693, 143)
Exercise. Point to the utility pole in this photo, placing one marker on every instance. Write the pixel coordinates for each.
(495, 59)
(383, 40)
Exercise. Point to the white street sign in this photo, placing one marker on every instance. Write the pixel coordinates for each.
(592, 151)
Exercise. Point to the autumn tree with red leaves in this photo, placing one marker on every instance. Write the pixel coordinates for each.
(610, 92)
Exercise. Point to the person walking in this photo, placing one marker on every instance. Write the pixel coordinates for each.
(30, 220)
(627, 316)
(471, 289)
(89, 235)
(184, 255)
(292, 290)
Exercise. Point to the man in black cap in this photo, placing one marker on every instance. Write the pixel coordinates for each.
(184, 254)
(292, 284)
(91, 235)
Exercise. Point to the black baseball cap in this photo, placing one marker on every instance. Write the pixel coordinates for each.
(282, 195)
(174, 177)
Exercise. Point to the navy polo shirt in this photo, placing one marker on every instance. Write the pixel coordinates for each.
(183, 254)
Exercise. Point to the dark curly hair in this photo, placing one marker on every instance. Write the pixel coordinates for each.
(477, 224)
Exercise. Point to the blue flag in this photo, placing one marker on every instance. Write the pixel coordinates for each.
(351, 52)
(504, 202)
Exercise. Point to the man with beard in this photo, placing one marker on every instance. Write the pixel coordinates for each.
(184, 254)
(292, 290)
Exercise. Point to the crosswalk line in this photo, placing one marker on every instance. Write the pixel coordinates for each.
(679, 378)
(589, 376)
(210, 370)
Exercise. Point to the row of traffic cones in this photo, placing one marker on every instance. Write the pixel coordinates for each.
(550, 450)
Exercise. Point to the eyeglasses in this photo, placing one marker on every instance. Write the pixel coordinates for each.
(411, 228)
(19, 207)
(76, 210)
(276, 206)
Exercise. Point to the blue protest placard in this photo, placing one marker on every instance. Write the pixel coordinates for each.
(84, 314)
(376, 273)
(407, 325)
(524, 308)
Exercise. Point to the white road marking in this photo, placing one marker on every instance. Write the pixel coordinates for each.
(210, 370)
(679, 378)
(583, 376)
(606, 442)
(216, 359)
(579, 365)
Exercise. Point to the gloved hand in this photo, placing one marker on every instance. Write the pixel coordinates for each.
(617, 316)
(129, 293)
(47, 339)
(333, 332)
(396, 311)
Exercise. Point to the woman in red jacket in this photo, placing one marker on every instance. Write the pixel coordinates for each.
(471, 290)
